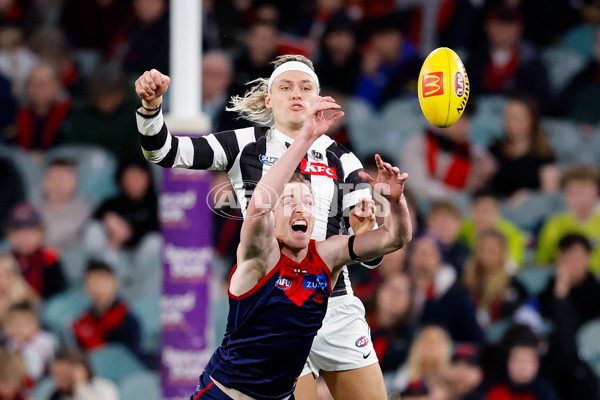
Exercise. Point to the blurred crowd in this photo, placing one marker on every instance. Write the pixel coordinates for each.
(496, 298)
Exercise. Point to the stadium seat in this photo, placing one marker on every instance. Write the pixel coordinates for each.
(534, 279)
(589, 345)
(61, 310)
(29, 168)
(43, 389)
(581, 39)
(487, 124)
(147, 310)
(73, 263)
(144, 382)
(567, 142)
(96, 168)
(115, 362)
(562, 63)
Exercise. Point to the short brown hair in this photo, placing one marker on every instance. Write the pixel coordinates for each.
(292, 57)
(299, 178)
(445, 206)
(580, 173)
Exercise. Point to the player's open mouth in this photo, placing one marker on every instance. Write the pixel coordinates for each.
(299, 225)
(296, 107)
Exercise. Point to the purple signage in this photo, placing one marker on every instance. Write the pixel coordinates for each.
(185, 302)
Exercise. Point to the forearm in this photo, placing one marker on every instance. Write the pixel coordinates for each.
(398, 225)
(271, 185)
(395, 232)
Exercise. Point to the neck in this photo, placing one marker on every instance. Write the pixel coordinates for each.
(291, 131)
(583, 215)
(296, 255)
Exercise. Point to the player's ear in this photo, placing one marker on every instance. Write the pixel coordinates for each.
(268, 100)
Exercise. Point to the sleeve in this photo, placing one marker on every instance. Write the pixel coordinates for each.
(214, 151)
(54, 280)
(360, 190)
(95, 390)
(546, 243)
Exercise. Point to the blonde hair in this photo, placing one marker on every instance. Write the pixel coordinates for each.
(488, 285)
(18, 288)
(418, 365)
(251, 106)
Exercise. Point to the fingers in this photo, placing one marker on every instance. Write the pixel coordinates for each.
(366, 177)
(152, 83)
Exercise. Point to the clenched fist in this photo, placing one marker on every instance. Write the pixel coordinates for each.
(151, 86)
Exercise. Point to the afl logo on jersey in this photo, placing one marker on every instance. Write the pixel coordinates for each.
(362, 341)
(283, 283)
(267, 160)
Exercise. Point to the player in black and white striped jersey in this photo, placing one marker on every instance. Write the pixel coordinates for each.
(342, 351)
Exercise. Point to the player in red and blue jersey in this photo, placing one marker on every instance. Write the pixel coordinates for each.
(279, 287)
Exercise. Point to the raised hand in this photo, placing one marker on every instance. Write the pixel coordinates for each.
(151, 86)
(362, 217)
(316, 122)
(389, 181)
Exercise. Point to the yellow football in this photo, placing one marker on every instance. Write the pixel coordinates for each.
(443, 87)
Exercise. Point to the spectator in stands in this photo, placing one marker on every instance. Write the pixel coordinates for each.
(39, 264)
(441, 300)
(64, 212)
(580, 188)
(217, 76)
(506, 63)
(444, 163)
(40, 119)
(24, 334)
(50, 45)
(524, 153)
(14, 384)
(12, 191)
(571, 298)
(260, 47)
(579, 98)
(19, 13)
(390, 66)
(16, 60)
(485, 215)
(465, 373)
(95, 24)
(74, 379)
(13, 289)
(109, 319)
(133, 213)
(444, 223)
(494, 291)
(521, 378)
(338, 63)
(147, 43)
(105, 120)
(392, 321)
(429, 353)
(124, 232)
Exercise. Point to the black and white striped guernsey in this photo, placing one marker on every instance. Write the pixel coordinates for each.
(246, 154)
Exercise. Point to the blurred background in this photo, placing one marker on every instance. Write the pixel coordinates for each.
(497, 296)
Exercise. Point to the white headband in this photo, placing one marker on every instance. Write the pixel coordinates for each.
(293, 66)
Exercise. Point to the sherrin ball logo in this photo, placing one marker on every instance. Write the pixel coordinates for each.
(459, 84)
(443, 87)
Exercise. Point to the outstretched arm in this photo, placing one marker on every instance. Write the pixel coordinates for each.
(395, 232)
(216, 151)
(258, 250)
